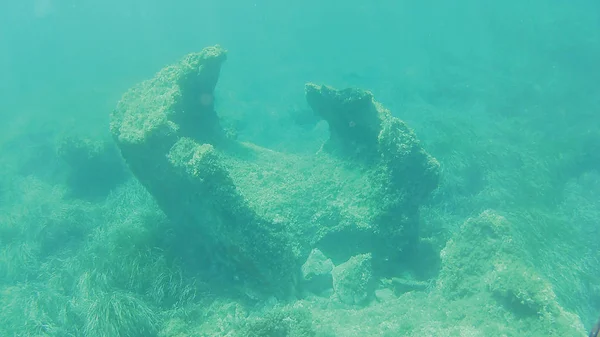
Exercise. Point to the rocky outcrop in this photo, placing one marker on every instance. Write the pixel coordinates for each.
(169, 134)
(401, 173)
(260, 212)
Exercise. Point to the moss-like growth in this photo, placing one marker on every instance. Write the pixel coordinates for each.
(483, 262)
(353, 280)
(260, 212)
(402, 174)
(170, 136)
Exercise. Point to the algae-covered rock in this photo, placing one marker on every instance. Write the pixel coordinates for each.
(94, 166)
(468, 254)
(170, 136)
(354, 121)
(316, 272)
(402, 174)
(256, 215)
(485, 262)
(178, 101)
(353, 280)
(259, 213)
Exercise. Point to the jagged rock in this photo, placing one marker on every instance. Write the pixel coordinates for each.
(484, 260)
(316, 272)
(260, 212)
(353, 281)
(289, 321)
(170, 136)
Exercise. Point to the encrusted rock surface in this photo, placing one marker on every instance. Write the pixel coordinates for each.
(169, 134)
(261, 212)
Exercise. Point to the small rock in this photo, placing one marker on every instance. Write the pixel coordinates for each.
(316, 272)
(352, 280)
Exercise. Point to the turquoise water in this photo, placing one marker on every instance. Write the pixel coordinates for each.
(505, 97)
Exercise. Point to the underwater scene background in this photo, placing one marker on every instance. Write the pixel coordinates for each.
(264, 168)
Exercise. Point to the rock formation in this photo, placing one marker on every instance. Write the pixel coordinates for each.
(260, 212)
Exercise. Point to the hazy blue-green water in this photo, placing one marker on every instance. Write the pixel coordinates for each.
(505, 95)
